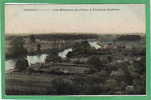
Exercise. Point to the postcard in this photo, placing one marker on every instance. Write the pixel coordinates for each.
(75, 49)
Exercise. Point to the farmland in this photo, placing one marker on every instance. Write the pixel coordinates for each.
(95, 65)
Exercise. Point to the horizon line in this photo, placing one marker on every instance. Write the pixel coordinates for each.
(74, 33)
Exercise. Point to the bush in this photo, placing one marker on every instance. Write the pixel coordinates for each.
(21, 64)
(95, 62)
(81, 49)
(53, 59)
(18, 49)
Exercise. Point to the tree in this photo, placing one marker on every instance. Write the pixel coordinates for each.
(38, 48)
(95, 62)
(20, 52)
(53, 59)
(32, 39)
(18, 49)
(21, 64)
(80, 49)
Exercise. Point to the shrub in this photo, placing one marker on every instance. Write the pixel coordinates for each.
(54, 59)
(21, 64)
(18, 49)
(95, 62)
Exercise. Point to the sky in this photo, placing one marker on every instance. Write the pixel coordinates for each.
(83, 18)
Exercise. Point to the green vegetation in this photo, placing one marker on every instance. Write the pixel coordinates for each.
(81, 49)
(18, 49)
(118, 68)
(21, 64)
(95, 62)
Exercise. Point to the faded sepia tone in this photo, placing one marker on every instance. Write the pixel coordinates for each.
(78, 49)
(129, 18)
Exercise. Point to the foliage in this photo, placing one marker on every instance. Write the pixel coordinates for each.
(18, 49)
(95, 62)
(129, 38)
(53, 59)
(81, 49)
(32, 38)
(21, 64)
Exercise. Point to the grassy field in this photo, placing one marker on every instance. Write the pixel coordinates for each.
(28, 84)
